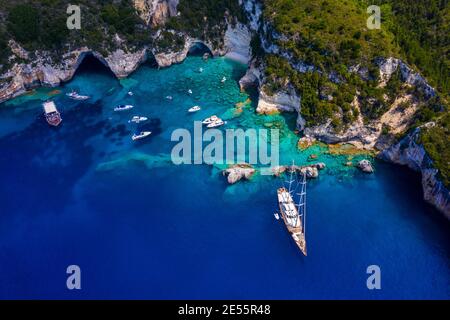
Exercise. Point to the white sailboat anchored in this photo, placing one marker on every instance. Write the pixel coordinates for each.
(294, 215)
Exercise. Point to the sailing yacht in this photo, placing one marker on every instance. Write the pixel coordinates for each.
(294, 215)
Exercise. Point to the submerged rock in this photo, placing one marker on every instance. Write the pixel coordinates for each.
(310, 172)
(305, 142)
(365, 166)
(238, 172)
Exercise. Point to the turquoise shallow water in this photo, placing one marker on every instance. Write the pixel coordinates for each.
(140, 227)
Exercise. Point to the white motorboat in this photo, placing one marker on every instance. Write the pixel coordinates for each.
(200, 70)
(76, 96)
(210, 119)
(123, 107)
(169, 98)
(130, 93)
(190, 91)
(194, 109)
(223, 80)
(142, 135)
(216, 123)
(138, 119)
(277, 216)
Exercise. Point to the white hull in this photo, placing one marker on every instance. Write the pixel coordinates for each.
(123, 108)
(141, 136)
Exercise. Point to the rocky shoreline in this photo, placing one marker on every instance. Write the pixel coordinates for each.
(410, 153)
(42, 71)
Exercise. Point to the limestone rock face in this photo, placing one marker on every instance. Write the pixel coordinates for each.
(238, 172)
(252, 77)
(45, 72)
(156, 12)
(281, 101)
(122, 64)
(237, 42)
(390, 65)
(412, 154)
(365, 166)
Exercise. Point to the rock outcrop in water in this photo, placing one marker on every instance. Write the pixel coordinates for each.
(311, 171)
(365, 166)
(238, 172)
(411, 153)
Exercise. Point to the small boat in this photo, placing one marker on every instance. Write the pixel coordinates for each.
(210, 119)
(130, 93)
(216, 123)
(223, 80)
(277, 216)
(76, 96)
(190, 91)
(138, 119)
(142, 135)
(52, 114)
(169, 98)
(200, 70)
(194, 109)
(206, 56)
(123, 107)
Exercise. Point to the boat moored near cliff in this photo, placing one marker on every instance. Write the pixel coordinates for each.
(294, 215)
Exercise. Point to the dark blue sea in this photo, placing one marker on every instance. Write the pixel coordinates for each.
(140, 227)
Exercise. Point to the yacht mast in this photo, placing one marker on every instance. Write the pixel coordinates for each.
(302, 203)
(291, 180)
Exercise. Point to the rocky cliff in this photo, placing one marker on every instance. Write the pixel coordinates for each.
(42, 68)
(364, 133)
(233, 38)
(42, 71)
(411, 153)
(156, 12)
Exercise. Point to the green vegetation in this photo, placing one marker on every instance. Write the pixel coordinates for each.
(422, 32)
(42, 25)
(204, 19)
(436, 141)
(331, 35)
(327, 32)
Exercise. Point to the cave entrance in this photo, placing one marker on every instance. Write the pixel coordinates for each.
(151, 60)
(199, 49)
(91, 64)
